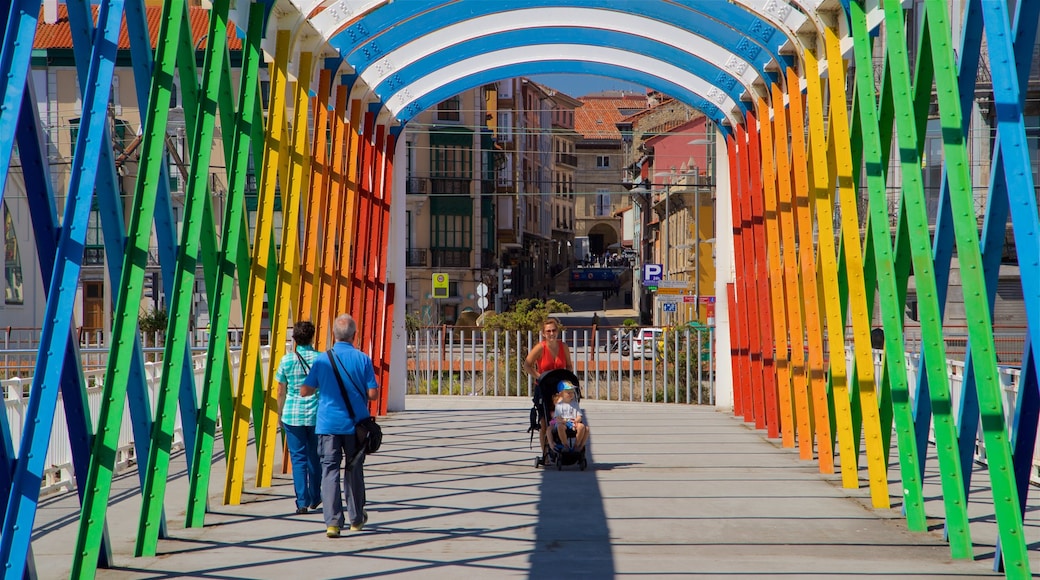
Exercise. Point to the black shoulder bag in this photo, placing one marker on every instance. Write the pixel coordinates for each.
(368, 433)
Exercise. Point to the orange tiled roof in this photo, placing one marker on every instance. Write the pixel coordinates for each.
(636, 116)
(596, 117)
(58, 35)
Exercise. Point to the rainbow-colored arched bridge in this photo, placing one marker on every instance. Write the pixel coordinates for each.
(822, 108)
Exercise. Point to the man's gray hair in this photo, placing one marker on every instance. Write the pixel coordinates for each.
(344, 328)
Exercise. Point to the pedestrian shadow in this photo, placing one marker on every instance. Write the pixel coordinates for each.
(571, 532)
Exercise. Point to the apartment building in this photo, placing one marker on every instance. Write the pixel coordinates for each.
(59, 102)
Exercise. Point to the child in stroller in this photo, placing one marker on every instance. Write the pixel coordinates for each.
(542, 414)
(567, 417)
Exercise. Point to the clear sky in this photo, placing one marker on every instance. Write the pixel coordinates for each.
(581, 85)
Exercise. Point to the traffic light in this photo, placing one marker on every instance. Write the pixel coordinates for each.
(506, 279)
(505, 288)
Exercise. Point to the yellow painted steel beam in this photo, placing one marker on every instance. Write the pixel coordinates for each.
(293, 202)
(276, 134)
(776, 277)
(799, 376)
(859, 312)
(807, 259)
(337, 186)
(822, 195)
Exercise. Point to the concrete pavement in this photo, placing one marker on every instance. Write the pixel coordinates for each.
(672, 490)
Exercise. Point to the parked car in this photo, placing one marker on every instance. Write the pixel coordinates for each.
(647, 342)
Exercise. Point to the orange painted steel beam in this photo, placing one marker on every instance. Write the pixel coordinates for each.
(785, 206)
(384, 324)
(739, 381)
(363, 222)
(810, 286)
(734, 348)
(739, 195)
(747, 222)
(373, 291)
(764, 318)
(775, 275)
(350, 202)
(750, 342)
(327, 273)
(316, 204)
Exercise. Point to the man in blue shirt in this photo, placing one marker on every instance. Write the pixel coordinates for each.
(335, 428)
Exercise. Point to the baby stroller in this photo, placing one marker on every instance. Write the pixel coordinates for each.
(557, 453)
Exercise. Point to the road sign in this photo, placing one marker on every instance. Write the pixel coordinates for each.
(670, 307)
(482, 303)
(666, 290)
(666, 298)
(440, 285)
(684, 284)
(707, 300)
(652, 273)
(689, 299)
(482, 290)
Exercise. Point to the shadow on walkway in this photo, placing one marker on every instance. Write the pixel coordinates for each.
(670, 490)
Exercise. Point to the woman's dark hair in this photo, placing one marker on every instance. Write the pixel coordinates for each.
(303, 332)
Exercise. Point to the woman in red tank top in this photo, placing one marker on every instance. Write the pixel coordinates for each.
(549, 354)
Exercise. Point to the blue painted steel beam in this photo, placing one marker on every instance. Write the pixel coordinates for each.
(1008, 96)
(445, 58)
(15, 51)
(21, 506)
(32, 152)
(113, 227)
(522, 69)
(1010, 60)
(7, 454)
(728, 25)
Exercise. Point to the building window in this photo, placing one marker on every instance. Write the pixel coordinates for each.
(451, 231)
(602, 202)
(94, 249)
(449, 110)
(13, 291)
(602, 161)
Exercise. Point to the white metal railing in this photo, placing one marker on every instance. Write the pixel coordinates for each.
(610, 364)
(59, 473)
(615, 364)
(1009, 380)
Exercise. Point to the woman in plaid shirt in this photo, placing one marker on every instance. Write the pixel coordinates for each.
(299, 415)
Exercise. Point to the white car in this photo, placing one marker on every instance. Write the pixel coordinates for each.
(645, 342)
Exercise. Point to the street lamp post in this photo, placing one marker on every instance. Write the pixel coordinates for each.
(640, 195)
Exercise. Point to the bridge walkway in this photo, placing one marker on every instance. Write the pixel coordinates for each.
(672, 490)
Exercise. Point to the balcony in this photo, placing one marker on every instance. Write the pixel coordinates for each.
(449, 186)
(566, 159)
(416, 258)
(416, 185)
(94, 256)
(450, 258)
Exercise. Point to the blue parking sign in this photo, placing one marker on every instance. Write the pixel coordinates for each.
(652, 273)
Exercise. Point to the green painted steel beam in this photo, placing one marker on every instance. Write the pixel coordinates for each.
(933, 353)
(980, 324)
(892, 318)
(196, 201)
(124, 331)
(217, 372)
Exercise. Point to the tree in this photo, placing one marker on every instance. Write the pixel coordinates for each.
(527, 314)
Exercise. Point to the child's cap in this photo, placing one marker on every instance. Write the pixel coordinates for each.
(563, 386)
